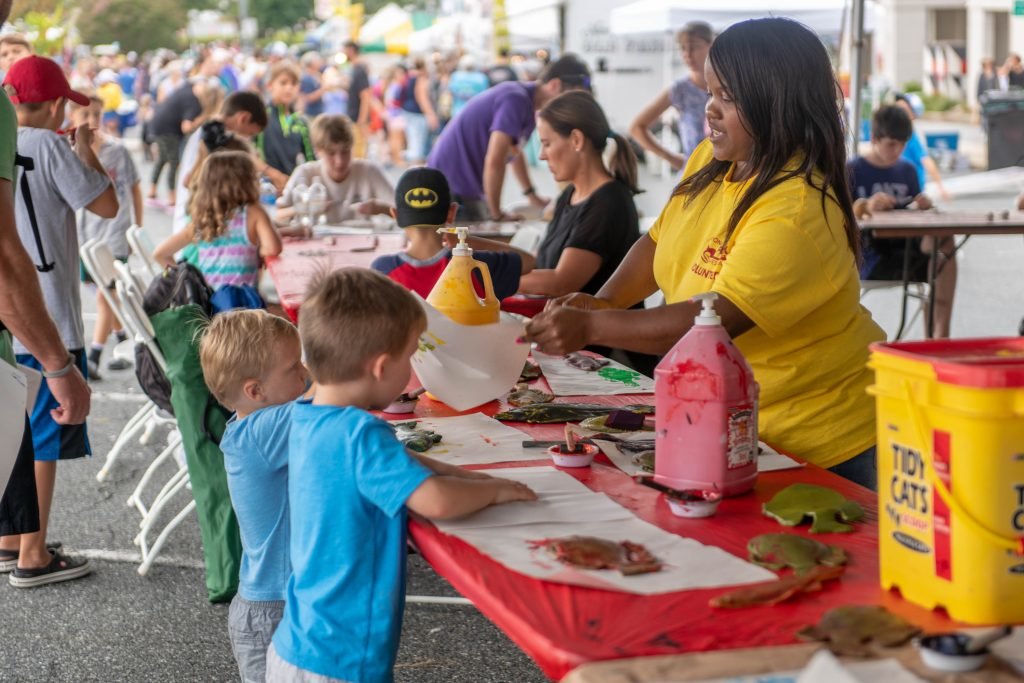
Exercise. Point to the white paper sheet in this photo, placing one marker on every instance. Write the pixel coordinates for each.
(822, 669)
(769, 460)
(476, 440)
(506, 533)
(13, 390)
(613, 379)
(33, 382)
(466, 366)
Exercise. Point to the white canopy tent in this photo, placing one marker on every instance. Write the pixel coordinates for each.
(825, 17)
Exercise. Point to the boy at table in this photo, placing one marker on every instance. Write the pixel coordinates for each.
(882, 181)
(350, 482)
(355, 187)
(252, 363)
(423, 204)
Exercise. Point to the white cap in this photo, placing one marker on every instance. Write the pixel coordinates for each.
(708, 316)
(106, 76)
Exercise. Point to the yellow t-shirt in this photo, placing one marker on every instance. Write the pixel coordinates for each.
(111, 95)
(788, 267)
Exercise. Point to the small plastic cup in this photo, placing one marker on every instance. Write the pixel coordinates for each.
(945, 652)
(694, 504)
(583, 458)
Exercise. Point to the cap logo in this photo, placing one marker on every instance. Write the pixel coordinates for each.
(421, 198)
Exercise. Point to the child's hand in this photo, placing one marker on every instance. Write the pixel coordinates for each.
(923, 202)
(81, 136)
(509, 491)
(881, 201)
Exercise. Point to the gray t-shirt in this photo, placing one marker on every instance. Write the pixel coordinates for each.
(60, 185)
(112, 231)
(366, 180)
(689, 100)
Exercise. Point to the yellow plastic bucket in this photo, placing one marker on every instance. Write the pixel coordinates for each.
(951, 475)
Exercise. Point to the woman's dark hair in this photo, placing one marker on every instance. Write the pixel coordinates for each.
(578, 110)
(779, 74)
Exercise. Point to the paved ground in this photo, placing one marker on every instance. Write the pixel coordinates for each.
(118, 626)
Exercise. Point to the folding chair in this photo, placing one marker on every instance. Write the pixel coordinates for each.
(910, 290)
(142, 247)
(135, 316)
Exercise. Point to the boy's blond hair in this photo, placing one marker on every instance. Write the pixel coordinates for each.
(239, 346)
(16, 39)
(330, 131)
(288, 69)
(352, 315)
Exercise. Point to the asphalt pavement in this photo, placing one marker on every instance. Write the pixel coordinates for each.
(118, 626)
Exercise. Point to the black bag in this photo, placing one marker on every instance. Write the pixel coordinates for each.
(152, 378)
(179, 285)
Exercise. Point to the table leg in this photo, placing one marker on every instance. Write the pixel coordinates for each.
(933, 260)
(906, 288)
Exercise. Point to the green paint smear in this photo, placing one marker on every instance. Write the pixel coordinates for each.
(627, 377)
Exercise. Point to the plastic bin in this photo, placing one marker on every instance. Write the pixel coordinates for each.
(951, 475)
(1004, 118)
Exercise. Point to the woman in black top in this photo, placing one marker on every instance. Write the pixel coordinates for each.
(595, 221)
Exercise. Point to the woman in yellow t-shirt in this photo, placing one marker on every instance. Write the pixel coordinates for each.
(763, 217)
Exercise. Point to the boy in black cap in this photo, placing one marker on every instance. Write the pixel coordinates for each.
(422, 205)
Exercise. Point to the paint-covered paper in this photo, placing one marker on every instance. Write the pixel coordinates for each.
(613, 379)
(769, 460)
(565, 507)
(465, 366)
(476, 440)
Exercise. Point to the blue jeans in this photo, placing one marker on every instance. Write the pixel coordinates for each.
(417, 135)
(860, 469)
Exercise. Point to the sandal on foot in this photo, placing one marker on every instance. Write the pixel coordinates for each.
(9, 558)
(61, 568)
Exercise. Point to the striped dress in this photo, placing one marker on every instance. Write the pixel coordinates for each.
(231, 259)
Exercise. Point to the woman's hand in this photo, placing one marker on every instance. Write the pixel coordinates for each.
(586, 302)
(560, 329)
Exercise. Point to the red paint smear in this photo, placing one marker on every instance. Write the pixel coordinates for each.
(487, 440)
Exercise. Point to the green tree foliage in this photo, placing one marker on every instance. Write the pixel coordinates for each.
(136, 25)
(273, 14)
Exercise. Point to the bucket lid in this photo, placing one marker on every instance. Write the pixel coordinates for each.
(984, 363)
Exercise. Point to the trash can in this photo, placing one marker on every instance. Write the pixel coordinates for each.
(1004, 116)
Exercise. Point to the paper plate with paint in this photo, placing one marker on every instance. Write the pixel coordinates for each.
(468, 365)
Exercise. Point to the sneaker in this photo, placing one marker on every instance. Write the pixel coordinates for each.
(61, 568)
(9, 558)
(119, 364)
(94, 371)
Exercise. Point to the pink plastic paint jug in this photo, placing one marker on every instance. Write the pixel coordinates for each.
(706, 411)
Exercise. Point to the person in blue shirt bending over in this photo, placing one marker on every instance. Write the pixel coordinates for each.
(350, 483)
(883, 181)
(252, 363)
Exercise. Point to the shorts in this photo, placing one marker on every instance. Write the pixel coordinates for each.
(84, 276)
(50, 440)
(280, 671)
(251, 625)
(883, 259)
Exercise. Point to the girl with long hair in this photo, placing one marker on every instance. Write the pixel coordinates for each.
(764, 218)
(230, 229)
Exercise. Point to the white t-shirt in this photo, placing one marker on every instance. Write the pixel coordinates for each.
(366, 180)
(60, 184)
(189, 156)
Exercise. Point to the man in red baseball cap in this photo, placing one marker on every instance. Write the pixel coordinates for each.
(56, 181)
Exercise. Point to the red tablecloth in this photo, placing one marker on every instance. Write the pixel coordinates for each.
(562, 626)
(299, 260)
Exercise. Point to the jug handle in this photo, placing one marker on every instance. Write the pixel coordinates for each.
(1014, 545)
(485, 278)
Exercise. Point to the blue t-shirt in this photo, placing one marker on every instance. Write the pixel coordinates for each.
(881, 257)
(308, 85)
(256, 459)
(464, 86)
(899, 181)
(419, 276)
(348, 481)
(915, 153)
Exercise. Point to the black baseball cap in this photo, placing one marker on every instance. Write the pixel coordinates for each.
(569, 69)
(422, 198)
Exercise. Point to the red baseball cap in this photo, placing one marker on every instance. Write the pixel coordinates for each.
(38, 79)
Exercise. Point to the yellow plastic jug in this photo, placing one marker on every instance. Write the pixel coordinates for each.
(454, 294)
(951, 475)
